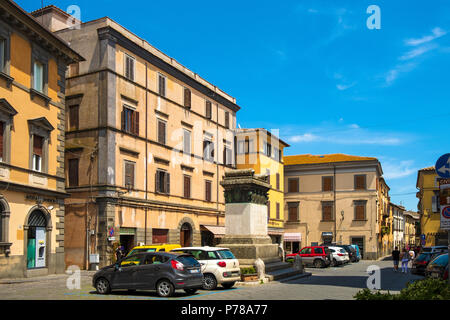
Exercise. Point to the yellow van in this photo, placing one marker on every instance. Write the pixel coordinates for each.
(154, 248)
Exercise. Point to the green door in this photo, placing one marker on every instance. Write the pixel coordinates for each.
(31, 253)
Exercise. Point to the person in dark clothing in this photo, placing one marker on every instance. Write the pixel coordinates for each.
(396, 258)
(119, 253)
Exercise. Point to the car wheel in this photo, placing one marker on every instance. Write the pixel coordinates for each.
(190, 291)
(318, 263)
(164, 288)
(102, 286)
(228, 285)
(209, 282)
(334, 263)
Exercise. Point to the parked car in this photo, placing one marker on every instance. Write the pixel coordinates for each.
(153, 248)
(420, 263)
(219, 266)
(358, 252)
(339, 256)
(437, 267)
(435, 249)
(161, 271)
(318, 256)
(351, 252)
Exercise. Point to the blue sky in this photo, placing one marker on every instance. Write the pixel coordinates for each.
(313, 70)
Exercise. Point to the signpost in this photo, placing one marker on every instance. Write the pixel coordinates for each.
(443, 171)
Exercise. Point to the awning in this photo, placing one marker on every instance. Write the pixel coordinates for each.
(327, 234)
(294, 237)
(275, 232)
(218, 231)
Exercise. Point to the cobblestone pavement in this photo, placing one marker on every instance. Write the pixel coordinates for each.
(339, 283)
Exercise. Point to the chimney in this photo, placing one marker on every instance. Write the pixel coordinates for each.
(55, 19)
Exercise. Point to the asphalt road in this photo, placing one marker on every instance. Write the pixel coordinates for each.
(339, 283)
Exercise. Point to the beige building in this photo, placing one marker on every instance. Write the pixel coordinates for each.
(32, 69)
(411, 220)
(333, 199)
(147, 144)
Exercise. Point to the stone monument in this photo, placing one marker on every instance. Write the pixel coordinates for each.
(246, 217)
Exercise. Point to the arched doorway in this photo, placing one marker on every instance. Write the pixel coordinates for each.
(186, 235)
(36, 240)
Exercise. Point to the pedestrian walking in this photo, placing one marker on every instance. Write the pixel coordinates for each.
(396, 258)
(119, 253)
(405, 257)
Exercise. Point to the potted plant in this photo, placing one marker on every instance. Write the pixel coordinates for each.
(249, 274)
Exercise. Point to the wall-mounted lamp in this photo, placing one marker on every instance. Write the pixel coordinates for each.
(342, 215)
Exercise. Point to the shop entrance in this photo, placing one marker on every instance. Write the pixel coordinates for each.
(359, 241)
(186, 235)
(127, 239)
(36, 244)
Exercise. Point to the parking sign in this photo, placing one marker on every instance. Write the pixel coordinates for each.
(445, 217)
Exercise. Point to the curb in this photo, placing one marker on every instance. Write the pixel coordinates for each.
(266, 281)
(44, 278)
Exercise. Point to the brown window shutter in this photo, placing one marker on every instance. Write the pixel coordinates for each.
(360, 211)
(162, 86)
(227, 120)
(327, 212)
(208, 110)
(129, 174)
(157, 188)
(37, 145)
(73, 172)
(1, 139)
(268, 176)
(123, 119)
(131, 68)
(187, 98)
(167, 180)
(161, 132)
(208, 190)
(293, 213)
(160, 236)
(327, 184)
(278, 181)
(360, 182)
(74, 117)
(278, 210)
(136, 123)
(187, 186)
(293, 185)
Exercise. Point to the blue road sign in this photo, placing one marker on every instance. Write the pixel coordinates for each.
(443, 166)
(422, 236)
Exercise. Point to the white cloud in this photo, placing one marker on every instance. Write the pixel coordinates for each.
(436, 33)
(398, 169)
(344, 138)
(394, 73)
(307, 137)
(418, 51)
(354, 126)
(342, 87)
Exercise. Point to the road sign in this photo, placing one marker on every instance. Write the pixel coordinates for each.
(422, 236)
(443, 166)
(445, 217)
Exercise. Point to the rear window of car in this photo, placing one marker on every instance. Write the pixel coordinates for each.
(188, 260)
(442, 260)
(423, 257)
(226, 254)
(426, 250)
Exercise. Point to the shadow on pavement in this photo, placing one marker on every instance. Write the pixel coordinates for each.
(149, 293)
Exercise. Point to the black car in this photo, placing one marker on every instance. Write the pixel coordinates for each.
(420, 263)
(437, 267)
(161, 271)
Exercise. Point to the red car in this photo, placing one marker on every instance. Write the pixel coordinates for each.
(318, 256)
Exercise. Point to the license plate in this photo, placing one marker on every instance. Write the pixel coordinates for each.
(194, 271)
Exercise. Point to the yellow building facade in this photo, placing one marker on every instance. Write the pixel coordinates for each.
(262, 151)
(428, 207)
(32, 110)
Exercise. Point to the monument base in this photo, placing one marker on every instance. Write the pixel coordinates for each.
(249, 248)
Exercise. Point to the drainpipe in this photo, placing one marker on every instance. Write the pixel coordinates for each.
(334, 206)
(145, 157)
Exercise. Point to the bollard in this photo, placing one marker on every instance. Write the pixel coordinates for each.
(298, 263)
(260, 269)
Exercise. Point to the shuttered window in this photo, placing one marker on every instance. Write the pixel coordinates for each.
(129, 67)
(327, 211)
(130, 121)
(360, 210)
(327, 183)
(1, 140)
(278, 211)
(293, 185)
(162, 181)
(208, 150)
(73, 172)
(187, 142)
(161, 132)
(162, 85)
(360, 182)
(129, 174)
(74, 117)
(208, 111)
(208, 189)
(187, 98)
(293, 212)
(227, 156)
(187, 186)
(38, 143)
(268, 175)
(227, 119)
(278, 181)
(2, 55)
(159, 236)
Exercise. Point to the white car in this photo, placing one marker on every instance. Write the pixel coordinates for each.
(340, 256)
(219, 266)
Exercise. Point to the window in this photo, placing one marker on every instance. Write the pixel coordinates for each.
(227, 156)
(293, 184)
(162, 85)
(130, 120)
(187, 186)
(327, 211)
(268, 149)
(360, 182)
(208, 111)
(241, 147)
(227, 120)
(129, 67)
(278, 211)
(38, 142)
(162, 180)
(187, 142)
(277, 154)
(161, 131)
(208, 189)
(129, 174)
(268, 176)
(278, 181)
(435, 202)
(327, 183)
(360, 210)
(293, 211)
(73, 172)
(2, 54)
(134, 260)
(318, 251)
(187, 98)
(245, 146)
(74, 117)
(208, 150)
(306, 251)
(38, 76)
(2, 126)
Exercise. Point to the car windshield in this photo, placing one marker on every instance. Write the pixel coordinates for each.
(342, 251)
(141, 250)
(442, 260)
(426, 250)
(226, 254)
(188, 260)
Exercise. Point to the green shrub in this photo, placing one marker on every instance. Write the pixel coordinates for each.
(250, 270)
(425, 289)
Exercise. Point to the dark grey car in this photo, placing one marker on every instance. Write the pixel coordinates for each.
(161, 271)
